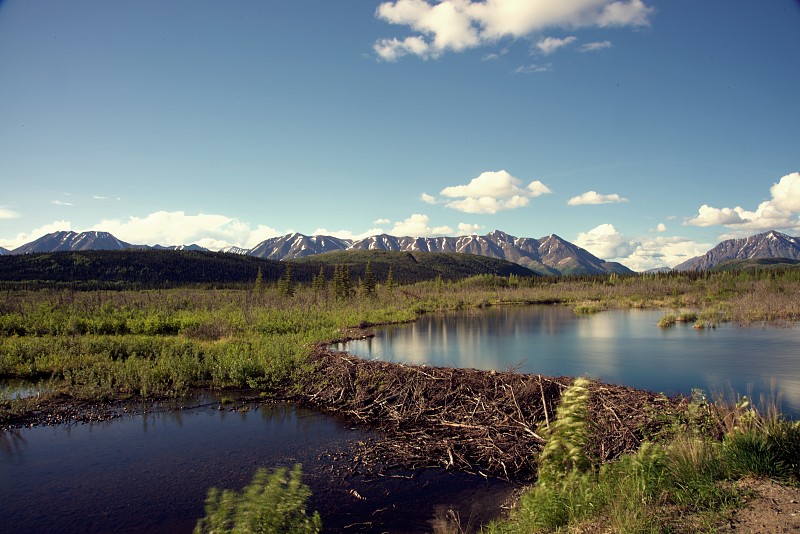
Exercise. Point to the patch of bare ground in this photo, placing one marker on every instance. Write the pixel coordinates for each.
(769, 507)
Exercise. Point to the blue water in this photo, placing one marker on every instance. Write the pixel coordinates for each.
(620, 347)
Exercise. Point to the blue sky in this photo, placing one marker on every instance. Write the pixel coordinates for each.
(643, 130)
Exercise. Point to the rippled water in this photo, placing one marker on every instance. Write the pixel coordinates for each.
(621, 347)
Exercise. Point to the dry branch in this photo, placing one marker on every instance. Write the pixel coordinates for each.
(485, 422)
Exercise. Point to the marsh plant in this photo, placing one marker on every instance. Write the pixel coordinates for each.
(273, 502)
(685, 483)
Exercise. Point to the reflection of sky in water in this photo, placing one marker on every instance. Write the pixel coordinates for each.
(625, 347)
(150, 473)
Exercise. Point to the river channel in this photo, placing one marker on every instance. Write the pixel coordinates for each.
(622, 347)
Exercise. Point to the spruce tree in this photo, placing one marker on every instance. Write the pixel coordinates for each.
(259, 286)
(389, 280)
(368, 284)
(286, 283)
(318, 285)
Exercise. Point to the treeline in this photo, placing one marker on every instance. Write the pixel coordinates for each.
(163, 269)
(137, 269)
(411, 267)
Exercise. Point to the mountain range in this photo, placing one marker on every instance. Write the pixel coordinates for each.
(770, 244)
(550, 255)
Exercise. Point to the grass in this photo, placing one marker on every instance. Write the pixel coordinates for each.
(664, 486)
(106, 344)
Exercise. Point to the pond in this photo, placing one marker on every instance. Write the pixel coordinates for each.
(621, 347)
(150, 473)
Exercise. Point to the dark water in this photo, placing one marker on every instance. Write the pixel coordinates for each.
(621, 347)
(151, 473)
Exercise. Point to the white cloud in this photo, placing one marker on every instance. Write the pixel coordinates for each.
(548, 45)
(786, 193)
(639, 254)
(393, 49)
(36, 233)
(417, 225)
(604, 241)
(61, 203)
(780, 212)
(428, 199)
(491, 192)
(533, 68)
(661, 228)
(6, 213)
(708, 216)
(456, 25)
(594, 47)
(381, 221)
(593, 197)
(468, 229)
(178, 228)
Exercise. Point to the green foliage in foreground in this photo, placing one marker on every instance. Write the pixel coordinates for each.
(274, 502)
(686, 484)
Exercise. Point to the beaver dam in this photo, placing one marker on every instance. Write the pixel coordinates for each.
(482, 422)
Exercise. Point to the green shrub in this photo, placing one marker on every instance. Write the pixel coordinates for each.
(274, 502)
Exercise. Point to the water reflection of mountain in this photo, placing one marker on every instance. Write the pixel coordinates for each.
(623, 346)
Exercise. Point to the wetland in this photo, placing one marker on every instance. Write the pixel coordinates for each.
(407, 424)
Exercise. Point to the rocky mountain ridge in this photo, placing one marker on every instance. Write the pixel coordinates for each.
(772, 244)
(549, 255)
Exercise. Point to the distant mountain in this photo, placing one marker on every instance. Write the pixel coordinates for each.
(65, 241)
(292, 246)
(234, 250)
(770, 244)
(72, 241)
(4, 251)
(192, 247)
(548, 255)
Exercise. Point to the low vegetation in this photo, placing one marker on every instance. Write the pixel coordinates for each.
(686, 482)
(264, 335)
(273, 502)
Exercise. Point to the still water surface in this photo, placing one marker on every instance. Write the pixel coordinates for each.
(150, 473)
(622, 347)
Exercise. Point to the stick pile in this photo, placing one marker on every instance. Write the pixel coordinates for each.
(483, 422)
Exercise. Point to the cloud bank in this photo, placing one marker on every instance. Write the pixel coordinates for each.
(780, 212)
(639, 253)
(490, 192)
(457, 25)
(177, 228)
